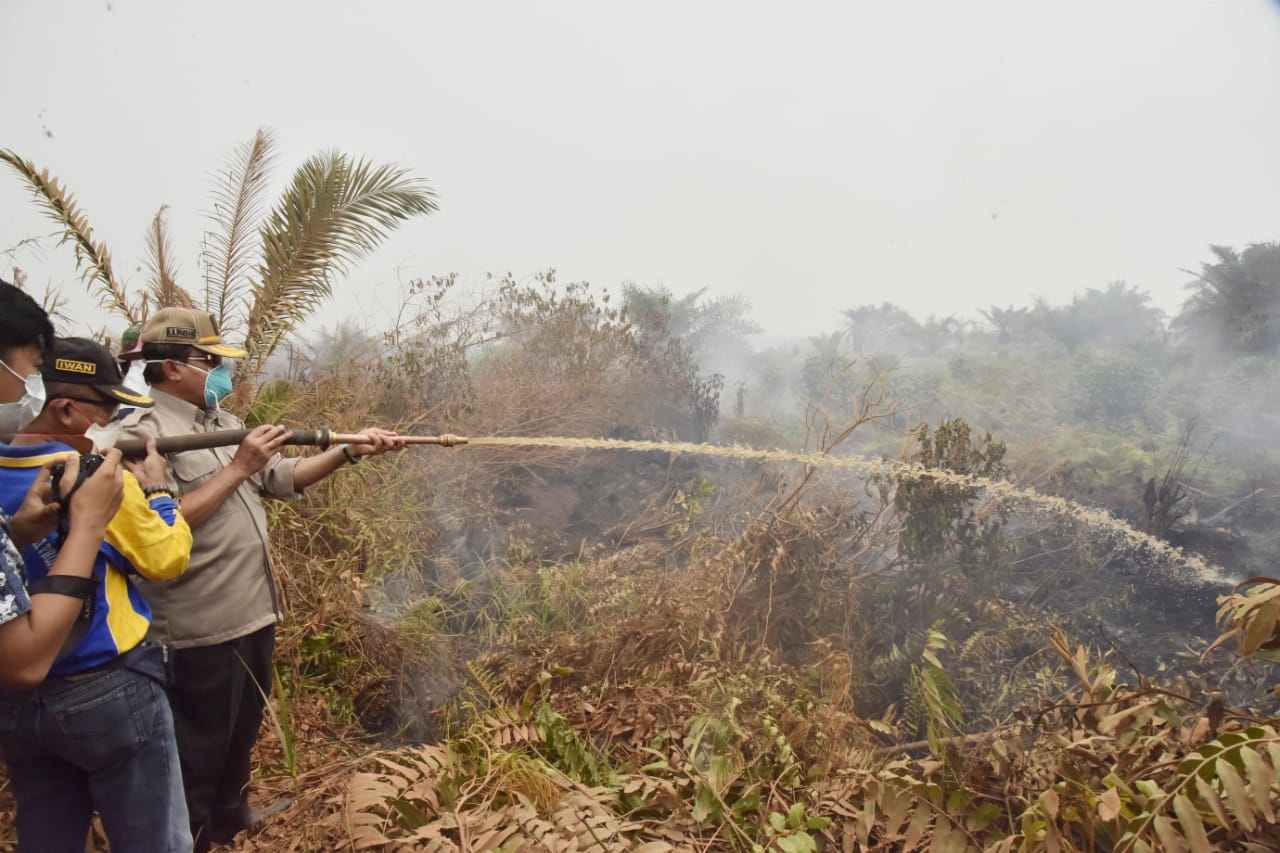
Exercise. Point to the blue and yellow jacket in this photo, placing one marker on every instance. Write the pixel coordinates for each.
(146, 537)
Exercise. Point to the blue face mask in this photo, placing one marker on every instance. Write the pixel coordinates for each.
(217, 384)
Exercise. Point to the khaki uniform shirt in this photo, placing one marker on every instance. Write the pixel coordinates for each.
(228, 591)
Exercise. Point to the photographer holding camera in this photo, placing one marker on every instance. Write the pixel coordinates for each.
(98, 733)
(34, 626)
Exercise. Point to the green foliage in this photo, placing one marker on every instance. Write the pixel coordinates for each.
(330, 662)
(1113, 392)
(424, 621)
(790, 832)
(942, 517)
(935, 692)
(539, 599)
(563, 748)
(701, 683)
(272, 403)
(282, 719)
(689, 505)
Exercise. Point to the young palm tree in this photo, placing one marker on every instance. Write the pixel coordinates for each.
(263, 274)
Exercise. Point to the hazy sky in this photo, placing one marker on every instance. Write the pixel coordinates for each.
(811, 156)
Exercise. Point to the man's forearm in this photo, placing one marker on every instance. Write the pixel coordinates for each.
(312, 469)
(31, 642)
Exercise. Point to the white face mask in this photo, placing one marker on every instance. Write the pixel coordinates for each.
(104, 437)
(133, 378)
(14, 417)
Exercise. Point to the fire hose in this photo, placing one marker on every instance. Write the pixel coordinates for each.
(136, 448)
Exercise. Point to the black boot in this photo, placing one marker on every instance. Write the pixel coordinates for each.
(227, 821)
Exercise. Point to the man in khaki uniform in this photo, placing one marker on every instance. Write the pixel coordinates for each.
(219, 618)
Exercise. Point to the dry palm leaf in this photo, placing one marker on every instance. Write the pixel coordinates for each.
(92, 257)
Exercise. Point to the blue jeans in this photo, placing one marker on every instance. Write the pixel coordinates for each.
(102, 741)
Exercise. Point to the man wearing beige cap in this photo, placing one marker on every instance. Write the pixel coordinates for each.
(219, 618)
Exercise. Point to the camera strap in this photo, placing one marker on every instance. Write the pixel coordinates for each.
(86, 589)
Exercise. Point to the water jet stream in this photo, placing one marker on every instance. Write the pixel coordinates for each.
(1000, 490)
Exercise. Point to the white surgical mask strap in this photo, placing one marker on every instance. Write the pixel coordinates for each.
(25, 380)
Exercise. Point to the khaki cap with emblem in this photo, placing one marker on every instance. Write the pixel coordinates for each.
(187, 326)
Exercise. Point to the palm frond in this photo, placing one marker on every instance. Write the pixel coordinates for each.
(92, 257)
(335, 211)
(229, 252)
(163, 287)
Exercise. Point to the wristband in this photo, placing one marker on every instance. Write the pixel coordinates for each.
(68, 585)
(352, 459)
(159, 489)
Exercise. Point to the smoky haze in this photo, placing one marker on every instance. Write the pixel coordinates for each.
(956, 237)
(811, 159)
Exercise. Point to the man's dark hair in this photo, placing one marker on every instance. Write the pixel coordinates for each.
(154, 373)
(22, 321)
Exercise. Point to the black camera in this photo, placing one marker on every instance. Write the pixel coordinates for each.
(89, 462)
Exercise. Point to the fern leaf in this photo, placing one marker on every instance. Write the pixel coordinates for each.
(489, 682)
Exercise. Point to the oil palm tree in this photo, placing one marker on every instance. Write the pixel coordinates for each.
(1009, 323)
(1235, 302)
(934, 333)
(264, 272)
(880, 328)
(701, 324)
